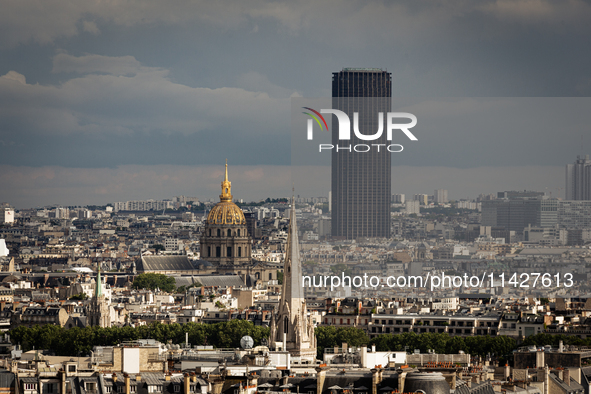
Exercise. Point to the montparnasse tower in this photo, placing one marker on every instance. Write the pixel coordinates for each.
(225, 241)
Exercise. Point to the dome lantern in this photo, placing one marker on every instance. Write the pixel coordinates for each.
(225, 211)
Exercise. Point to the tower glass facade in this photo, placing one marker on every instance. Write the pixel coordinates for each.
(361, 181)
(578, 179)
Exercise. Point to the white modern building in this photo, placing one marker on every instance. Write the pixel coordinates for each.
(6, 215)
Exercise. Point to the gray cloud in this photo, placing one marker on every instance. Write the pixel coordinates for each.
(94, 85)
(123, 65)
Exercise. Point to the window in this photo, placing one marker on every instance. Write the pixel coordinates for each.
(132, 389)
(210, 232)
(240, 251)
(108, 389)
(229, 233)
(219, 233)
(177, 388)
(238, 232)
(30, 386)
(209, 251)
(218, 251)
(229, 251)
(270, 276)
(71, 368)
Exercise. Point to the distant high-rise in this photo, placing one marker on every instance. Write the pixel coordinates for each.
(361, 184)
(440, 196)
(578, 179)
(398, 198)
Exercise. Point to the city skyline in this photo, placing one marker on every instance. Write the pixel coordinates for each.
(411, 180)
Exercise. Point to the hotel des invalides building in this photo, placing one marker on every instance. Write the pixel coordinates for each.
(225, 247)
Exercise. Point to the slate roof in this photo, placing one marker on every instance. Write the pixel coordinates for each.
(164, 263)
(482, 388)
(6, 379)
(219, 280)
(573, 388)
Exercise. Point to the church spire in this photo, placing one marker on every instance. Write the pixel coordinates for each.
(292, 292)
(226, 195)
(98, 290)
(292, 329)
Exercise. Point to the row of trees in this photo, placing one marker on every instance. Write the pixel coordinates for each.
(74, 341)
(330, 336)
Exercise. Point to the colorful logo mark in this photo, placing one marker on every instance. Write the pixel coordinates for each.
(318, 115)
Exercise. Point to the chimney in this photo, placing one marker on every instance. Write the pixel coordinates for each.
(114, 377)
(320, 377)
(138, 378)
(566, 376)
(364, 356)
(63, 381)
(167, 377)
(374, 381)
(127, 384)
(401, 381)
(186, 384)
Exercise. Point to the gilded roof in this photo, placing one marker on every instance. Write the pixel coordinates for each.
(226, 212)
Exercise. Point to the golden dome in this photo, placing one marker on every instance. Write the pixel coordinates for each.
(225, 211)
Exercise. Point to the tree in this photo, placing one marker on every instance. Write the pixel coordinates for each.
(158, 247)
(79, 297)
(280, 277)
(340, 268)
(331, 336)
(153, 281)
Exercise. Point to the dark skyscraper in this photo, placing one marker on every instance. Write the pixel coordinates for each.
(578, 179)
(361, 182)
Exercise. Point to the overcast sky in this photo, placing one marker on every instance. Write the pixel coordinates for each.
(138, 99)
